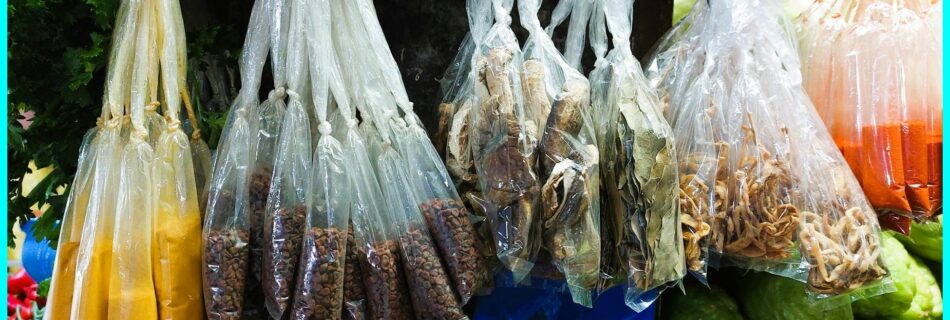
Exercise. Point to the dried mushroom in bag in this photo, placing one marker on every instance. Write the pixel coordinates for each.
(784, 199)
(557, 97)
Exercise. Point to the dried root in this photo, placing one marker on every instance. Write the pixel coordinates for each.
(843, 252)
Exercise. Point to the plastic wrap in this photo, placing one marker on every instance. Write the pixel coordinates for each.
(504, 140)
(319, 291)
(175, 257)
(570, 194)
(378, 252)
(785, 201)
(131, 289)
(60, 296)
(641, 221)
(93, 270)
(700, 193)
(227, 220)
(286, 208)
(869, 68)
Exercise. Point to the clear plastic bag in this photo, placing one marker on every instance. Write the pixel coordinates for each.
(504, 140)
(90, 296)
(286, 208)
(638, 165)
(131, 289)
(785, 201)
(226, 230)
(60, 296)
(570, 195)
(377, 246)
(882, 115)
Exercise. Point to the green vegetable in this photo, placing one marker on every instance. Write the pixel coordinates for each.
(925, 240)
(681, 8)
(918, 295)
(765, 296)
(699, 302)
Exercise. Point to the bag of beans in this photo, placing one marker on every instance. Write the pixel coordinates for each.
(286, 208)
(504, 139)
(786, 201)
(227, 225)
(558, 97)
(641, 219)
(319, 288)
(267, 123)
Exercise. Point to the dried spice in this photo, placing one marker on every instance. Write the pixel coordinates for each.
(503, 161)
(843, 252)
(452, 230)
(432, 296)
(319, 293)
(225, 269)
(285, 236)
(385, 284)
(761, 221)
(354, 295)
(446, 114)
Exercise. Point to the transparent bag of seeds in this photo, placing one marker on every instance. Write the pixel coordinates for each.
(641, 222)
(226, 226)
(267, 123)
(786, 201)
(319, 291)
(377, 247)
(286, 208)
(89, 297)
(504, 140)
(570, 194)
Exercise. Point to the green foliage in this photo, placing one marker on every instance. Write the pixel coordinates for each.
(57, 58)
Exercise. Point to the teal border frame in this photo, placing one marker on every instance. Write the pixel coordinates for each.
(3, 100)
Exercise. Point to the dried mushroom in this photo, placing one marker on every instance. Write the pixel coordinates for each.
(843, 252)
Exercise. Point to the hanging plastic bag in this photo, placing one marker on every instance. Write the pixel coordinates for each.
(504, 140)
(639, 169)
(377, 244)
(570, 195)
(131, 289)
(227, 222)
(319, 291)
(176, 260)
(700, 193)
(90, 294)
(891, 140)
(286, 209)
(267, 123)
(789, 205)
(59, 298)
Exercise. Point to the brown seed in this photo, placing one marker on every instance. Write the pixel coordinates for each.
(449, 223)
(432, 297)
(225, 270)
(319, 293)
(385, 285)
(283, 236)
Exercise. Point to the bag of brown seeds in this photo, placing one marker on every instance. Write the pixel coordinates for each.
(286, 208)
(226, 227)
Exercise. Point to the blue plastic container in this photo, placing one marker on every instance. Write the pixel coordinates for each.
(38, 257)
(543, 303)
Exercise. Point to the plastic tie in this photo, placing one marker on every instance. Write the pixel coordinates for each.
(114, 122)
(351, 123)
(501, 15)
(174, 124)
(325, 128)
(139, 134)
(277, 94)
(196, 135)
